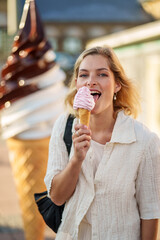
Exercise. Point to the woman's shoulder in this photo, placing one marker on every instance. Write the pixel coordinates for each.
(143, 133)
(62, 118)
(60, 123)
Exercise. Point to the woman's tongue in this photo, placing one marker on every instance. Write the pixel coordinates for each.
(96, 97)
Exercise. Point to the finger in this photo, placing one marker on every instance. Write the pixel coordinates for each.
(75, 134)
(81, 138)
(82, 131)
(78, 133)
(80, 126)
(81, 145)
(81, 135)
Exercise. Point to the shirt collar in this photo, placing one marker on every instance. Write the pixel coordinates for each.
(123, 131)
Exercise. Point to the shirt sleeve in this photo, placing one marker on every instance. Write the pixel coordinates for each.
(148, 180)
(58, 156)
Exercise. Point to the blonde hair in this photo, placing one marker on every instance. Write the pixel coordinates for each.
(127, 97)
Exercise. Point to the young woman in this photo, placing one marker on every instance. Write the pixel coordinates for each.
(111, 181)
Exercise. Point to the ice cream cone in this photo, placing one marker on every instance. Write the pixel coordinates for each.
(84, 103)
(84, 116)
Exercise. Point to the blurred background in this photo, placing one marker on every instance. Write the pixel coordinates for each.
(131, 27)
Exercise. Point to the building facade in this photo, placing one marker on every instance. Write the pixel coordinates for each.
(70, 24)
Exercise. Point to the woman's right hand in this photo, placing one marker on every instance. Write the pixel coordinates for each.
(81, 141)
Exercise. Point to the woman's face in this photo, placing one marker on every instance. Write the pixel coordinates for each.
(94, 73)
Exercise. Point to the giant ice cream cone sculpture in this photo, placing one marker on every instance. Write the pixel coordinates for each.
(84, 103)
(29, 105)
(29, 171)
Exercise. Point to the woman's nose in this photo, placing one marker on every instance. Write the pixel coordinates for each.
(91, 81)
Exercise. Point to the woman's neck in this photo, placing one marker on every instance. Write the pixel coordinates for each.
(102, 126)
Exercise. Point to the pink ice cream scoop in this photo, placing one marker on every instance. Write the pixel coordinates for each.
(84, 103)
(83, 99)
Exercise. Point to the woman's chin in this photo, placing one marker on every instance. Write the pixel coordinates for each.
(94, 110)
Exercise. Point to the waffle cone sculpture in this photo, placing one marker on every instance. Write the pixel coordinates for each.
(84, 116)
(29, 172)
(84, 103)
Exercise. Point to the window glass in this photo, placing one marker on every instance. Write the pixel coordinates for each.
(54, 43)
(72, 45)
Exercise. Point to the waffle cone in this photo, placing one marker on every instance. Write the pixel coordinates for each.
(29, 166)
(84, 116)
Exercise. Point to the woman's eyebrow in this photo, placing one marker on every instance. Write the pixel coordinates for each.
(100, 69)
(83, 70)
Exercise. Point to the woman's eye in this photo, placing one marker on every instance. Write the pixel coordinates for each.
(83, 75)
(103, 75)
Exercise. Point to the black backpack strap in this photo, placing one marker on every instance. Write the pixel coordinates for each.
(68, 133)
(51, 213)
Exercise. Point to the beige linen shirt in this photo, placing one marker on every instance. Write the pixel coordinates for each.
(124, 189)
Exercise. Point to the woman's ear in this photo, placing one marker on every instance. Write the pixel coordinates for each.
(117, 87)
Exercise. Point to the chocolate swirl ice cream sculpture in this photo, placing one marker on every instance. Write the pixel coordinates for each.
(31, 69)
(31, 98)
